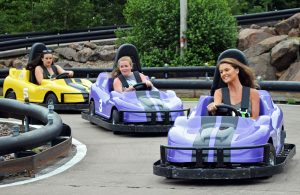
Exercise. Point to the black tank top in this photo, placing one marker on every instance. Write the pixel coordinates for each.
(46, 74)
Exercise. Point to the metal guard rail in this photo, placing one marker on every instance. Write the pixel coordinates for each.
(168, 83)
(109, 33)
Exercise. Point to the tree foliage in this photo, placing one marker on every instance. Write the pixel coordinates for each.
(155, 32)
(58, 15)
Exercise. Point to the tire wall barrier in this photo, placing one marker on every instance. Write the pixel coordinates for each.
(15, 109)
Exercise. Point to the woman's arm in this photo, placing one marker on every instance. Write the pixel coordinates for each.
(217, 100)
(61, 70)
(117, 85)
(38, 72)
(145, 80)
(254, 98)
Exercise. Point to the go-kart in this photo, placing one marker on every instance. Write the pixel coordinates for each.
(225, 145)
(142, 110)
(64, 92)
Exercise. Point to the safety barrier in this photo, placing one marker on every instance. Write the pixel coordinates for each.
(8, 42)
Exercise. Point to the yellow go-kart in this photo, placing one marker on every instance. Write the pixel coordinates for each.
(65, 93)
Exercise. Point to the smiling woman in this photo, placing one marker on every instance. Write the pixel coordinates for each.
(125, 80)
(240, 91)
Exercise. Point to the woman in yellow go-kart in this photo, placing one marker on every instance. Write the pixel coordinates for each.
(44, 82)
(45, 69)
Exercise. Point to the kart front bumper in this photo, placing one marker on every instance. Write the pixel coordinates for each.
(244, 171)
(126, 128)
(69, 107)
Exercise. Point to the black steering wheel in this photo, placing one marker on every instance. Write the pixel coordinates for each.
(62, 75)
(141, 87)
(226, 110)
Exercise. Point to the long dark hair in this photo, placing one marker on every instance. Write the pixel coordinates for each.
(38, 60)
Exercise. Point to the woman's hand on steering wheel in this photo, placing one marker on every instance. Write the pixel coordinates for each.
(141, 86)
(62, 75)
(226, 110)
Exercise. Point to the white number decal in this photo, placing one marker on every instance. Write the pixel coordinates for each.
(100, 105)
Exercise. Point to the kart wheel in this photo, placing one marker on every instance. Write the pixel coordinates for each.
(115, 117)
(51, 98)
(272, 156)
(92, 108)
(11, 95)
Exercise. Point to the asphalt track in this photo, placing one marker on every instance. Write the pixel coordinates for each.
(122, 164)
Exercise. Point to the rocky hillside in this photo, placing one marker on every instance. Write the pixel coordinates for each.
(273, 52)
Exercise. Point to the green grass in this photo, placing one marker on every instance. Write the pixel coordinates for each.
(189, 99)
(291, 101)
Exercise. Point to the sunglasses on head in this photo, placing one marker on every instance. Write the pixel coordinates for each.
(47, 51)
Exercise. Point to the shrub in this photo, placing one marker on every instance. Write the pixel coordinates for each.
(156, 24)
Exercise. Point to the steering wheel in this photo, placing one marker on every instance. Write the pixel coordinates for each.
(226, 110)
(141, 87)
(62, 75)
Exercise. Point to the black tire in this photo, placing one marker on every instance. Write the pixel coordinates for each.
(115, 117)
(272, 156)
(92, 108)
(51, 98)
(11, 95)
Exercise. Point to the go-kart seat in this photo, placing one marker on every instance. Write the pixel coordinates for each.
(201, 108)
(110, 83)
(35, 52)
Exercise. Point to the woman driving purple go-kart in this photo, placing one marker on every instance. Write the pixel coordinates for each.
(236, 133)
(126, 100)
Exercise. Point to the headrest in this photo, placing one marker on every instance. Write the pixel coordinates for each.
(131, 51)
(233, 53)
(36, 50)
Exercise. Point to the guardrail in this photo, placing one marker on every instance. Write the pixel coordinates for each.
(158, 72)
(164, 77)
(57, 39)
(266, 16)
(24, 41)
(8, 37)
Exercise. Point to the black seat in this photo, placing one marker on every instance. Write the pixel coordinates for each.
(229, 53)
(35, 52)
(131, 51)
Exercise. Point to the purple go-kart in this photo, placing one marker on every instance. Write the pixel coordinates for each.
(143, 110)
(226, 146)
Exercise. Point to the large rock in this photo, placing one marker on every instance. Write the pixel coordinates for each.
(261, 65)
(264, 46)
(249, 37)
(292, 73)
(107, 55)
(284, 54)
(285, 26)
(67, 53)
(85, 54)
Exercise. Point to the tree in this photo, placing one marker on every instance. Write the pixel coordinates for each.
(155, 32)
(108, 12)
(59, 15)
(14, 16)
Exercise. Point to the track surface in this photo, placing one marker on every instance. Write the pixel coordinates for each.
(122, 164)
